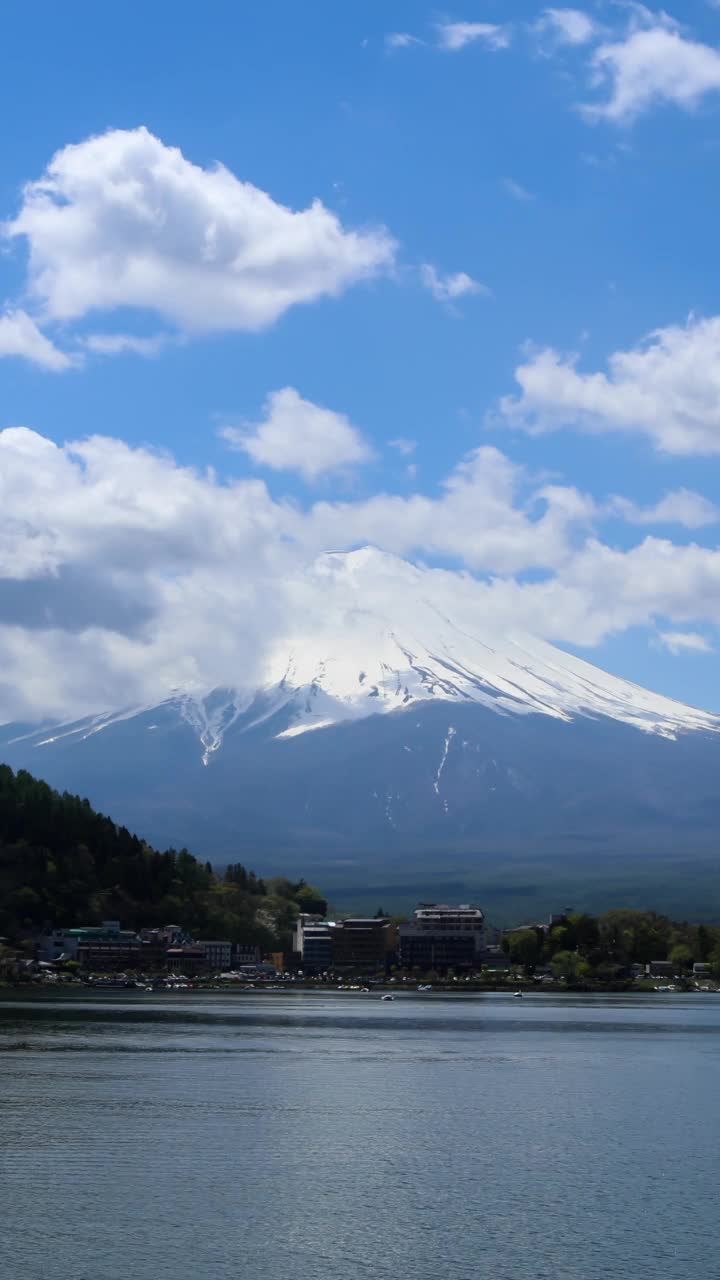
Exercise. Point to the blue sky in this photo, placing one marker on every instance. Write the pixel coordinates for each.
(526, 185)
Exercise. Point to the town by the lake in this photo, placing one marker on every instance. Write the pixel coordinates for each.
(440, 946)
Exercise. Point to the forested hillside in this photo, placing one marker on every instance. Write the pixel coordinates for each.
(65, 864)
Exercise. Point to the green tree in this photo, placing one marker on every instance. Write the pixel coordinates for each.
(63, 864)
(570, 966)
(524, 948)
(681, 957)
(310, 899)
(704, 943)
(585, 931)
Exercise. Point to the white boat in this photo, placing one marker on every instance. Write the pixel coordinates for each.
(517, 995)
(387, 997)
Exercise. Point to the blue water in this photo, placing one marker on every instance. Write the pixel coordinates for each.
(258, 1137)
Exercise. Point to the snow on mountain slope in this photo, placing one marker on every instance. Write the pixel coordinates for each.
(377, 635)
(385, 639)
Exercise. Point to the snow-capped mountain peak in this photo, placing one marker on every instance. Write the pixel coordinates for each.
(388, 636)
(396, 724)
(377, 636)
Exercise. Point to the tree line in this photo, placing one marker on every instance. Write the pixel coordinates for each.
(583, 947)
(63, 864)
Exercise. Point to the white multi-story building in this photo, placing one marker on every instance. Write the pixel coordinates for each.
(313, 941)
(442, 937)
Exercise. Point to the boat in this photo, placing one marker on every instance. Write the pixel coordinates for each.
(517, 995)
(387, 997)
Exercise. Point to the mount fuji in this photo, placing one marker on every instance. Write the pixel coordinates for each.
(398, 737)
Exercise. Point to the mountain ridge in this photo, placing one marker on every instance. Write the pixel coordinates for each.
(357, 661)
(472, 751)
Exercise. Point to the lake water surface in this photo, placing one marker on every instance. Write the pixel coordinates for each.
(270, 1136)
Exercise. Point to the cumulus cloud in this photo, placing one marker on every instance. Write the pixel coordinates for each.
(297, 435)
(651, 67)
(668, 389)
(124, 575)
(681, 506)
(173, 550)
(448, 288)
(482, 515)
(684, 642)
(401, 40)
(568, 26)
(452, 36)
(113, 344)
(20, 336)
(122, 220)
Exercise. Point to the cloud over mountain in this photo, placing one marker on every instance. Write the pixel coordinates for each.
(125, 575)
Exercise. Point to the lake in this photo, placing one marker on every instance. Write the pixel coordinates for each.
(272, 1135)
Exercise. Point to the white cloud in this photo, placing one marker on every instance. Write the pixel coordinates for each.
(121, 220)
(448, 288)
(403, 445)
(479, 517)
(517, 191)
(125, 575)
(401, 40)
(452, 36)
(568, 26)
(681, 506)
(20, 336)
(684, 642)
(112, 344)
(651, 67)
(297, 435)
(667, 389)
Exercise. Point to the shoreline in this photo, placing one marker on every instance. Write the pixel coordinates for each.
(330, 989)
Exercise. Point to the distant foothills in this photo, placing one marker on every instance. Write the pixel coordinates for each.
(69, 878)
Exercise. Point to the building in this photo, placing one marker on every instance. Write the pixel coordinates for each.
(662, 969)
(154, 945)
(108, 948)
(245, 953)
(260, 970)
(364, 944)
(96, 947)
(313, 943)
(58, 944)
(186, 960)
(218, 955)
(494, 959)
(443, 937)
(11, 961)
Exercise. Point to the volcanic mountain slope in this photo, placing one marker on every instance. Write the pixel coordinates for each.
(396, 725)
